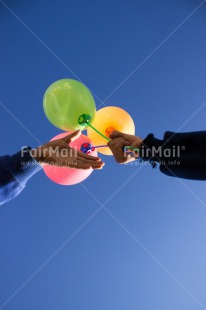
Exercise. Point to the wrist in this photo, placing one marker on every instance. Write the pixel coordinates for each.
(137, 143)
(140, 140)
(38, 154)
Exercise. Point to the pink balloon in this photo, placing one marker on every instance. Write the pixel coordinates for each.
(69, 176)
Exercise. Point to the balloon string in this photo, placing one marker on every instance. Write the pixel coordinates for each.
(98, 146)
(131, 148)
(101, 134)
(128, 152)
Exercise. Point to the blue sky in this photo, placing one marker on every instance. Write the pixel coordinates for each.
(146, 247)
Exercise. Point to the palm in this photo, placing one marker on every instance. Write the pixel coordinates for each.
(59, 153)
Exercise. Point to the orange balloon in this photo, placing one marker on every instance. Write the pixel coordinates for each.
(106, 121)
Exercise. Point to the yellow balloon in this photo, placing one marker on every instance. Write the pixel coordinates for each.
(107, 120)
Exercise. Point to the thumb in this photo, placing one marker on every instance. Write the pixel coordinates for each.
(115, 134)
(72, 136)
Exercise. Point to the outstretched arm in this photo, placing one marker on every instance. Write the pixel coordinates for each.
(16, 170)
(180, 155)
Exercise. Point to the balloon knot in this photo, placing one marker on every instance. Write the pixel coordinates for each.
(86, 148)
(84, 119)
(108, 131)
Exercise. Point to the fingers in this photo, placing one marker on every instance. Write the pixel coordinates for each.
(95, 164)
(79, 164)
(72, 136)
(114, 134)
(117, 134)
(117, 147)
(89, 157)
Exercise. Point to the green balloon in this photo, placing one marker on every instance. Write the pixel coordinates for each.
(65, 101)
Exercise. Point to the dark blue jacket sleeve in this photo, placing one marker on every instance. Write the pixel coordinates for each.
(181, 155)
(15, 171)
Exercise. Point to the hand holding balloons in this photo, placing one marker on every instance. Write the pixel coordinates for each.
(119, 141)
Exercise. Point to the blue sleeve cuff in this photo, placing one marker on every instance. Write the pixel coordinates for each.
(22, 165)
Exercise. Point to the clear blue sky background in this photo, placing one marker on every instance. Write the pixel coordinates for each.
(147, 249)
